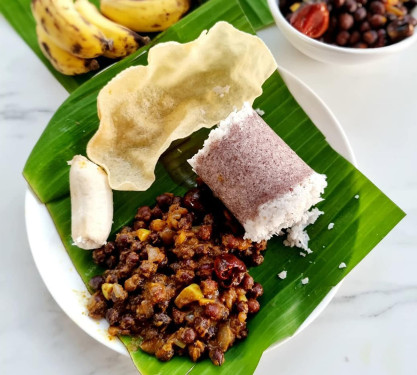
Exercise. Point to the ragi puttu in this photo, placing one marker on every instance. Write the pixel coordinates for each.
(259, 178)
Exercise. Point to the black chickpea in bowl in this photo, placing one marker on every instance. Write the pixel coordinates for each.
(352, 23)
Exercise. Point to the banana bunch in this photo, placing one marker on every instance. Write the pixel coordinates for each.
(72, 35)
(145, 15)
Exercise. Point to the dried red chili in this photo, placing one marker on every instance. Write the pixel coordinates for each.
(311, 19)
(229, 269)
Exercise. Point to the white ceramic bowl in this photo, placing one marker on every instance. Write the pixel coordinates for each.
(333, 54)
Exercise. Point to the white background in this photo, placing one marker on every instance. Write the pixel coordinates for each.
(371, 325)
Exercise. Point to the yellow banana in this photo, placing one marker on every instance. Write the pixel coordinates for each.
(123, 41)
(65, 26)
(145, 15)
(63, 61)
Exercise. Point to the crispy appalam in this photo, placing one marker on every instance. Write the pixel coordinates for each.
(185, 87)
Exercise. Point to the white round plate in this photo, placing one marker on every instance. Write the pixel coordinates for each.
(63, 281)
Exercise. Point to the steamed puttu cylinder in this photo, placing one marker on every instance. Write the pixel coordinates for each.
(258, 177)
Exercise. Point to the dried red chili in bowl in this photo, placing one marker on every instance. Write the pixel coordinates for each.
(311, 19)
(177, 278)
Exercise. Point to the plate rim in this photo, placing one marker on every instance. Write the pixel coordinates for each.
(116, 345)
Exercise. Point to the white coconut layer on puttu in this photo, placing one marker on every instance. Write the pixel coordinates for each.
(259, 178)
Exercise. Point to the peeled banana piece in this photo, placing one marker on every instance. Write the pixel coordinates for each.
(91, 204)
(67, 29)
(62, 60)
(123, 41)
(145, 15)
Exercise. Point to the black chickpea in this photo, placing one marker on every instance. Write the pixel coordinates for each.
(354, 37)
(370, 37)
(346, 21)
(360, 14)
(342, 38)
(351, 6)
(253, 306)
(365, 26)
(377, 20)
(376, 7)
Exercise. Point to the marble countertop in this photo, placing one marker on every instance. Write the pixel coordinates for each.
(370, 327)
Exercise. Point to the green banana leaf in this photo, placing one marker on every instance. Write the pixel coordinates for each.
(257, 12)
(360, 224)
(19, 15)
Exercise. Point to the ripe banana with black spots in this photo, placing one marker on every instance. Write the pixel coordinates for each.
(145, 15)
(68, 30)
(63, 61)
(123, 41)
